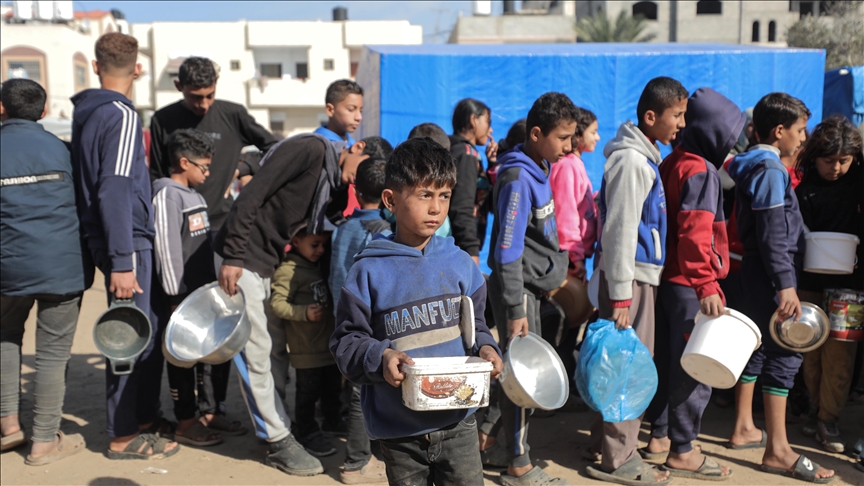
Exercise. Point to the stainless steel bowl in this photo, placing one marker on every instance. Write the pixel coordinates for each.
(208, 326)
(805, 334)
(533, 374)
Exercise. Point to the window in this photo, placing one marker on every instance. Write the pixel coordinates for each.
(23, 62)
(755, 36)
(302, 70)
(354, 66)
(235, 65)
(805, 9)
(772, 31)
(709, 7)
(277, 126)
(271, 71)
(328, 64)
(645, 9)
(81, 72)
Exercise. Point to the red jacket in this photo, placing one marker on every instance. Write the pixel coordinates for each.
(696, 242)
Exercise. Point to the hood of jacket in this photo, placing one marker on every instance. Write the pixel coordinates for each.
(518, 158)
(713, 125)
(742, 164)
(630, 137)
(383, 246)
(88, 100)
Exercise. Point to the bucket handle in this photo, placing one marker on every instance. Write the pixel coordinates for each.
(829, 255)
(115, 302)
(121, 366)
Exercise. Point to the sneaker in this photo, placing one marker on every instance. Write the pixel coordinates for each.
(811, 426)
(288, 456)
(373, 472)
(829, 435)
(339, 429)
(318, 445)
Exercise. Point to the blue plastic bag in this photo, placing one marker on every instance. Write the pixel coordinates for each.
(615, 373)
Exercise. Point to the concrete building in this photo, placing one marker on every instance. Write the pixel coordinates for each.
(536, 22)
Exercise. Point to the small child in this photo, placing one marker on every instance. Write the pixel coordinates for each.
(575, 210)
(184, 262)
(398, 275)
(526, 260)
(300, 298)
(439, 136)
(633, 250)
(771, 228)
(831, 198)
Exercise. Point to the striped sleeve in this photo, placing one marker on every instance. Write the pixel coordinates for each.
(122, 133)
(168, 243)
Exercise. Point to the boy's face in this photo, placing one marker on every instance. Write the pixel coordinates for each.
(310, 247)
(790, 139)
(833, 167)
(556, 144)
(346, 114)
(349, 159)
(419, 211)
(196, 171)
(197, 100)
(664, 127)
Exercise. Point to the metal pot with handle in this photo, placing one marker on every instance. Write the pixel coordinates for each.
(121, 334)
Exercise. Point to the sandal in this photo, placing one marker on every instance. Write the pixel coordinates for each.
(11, 441)
(162, 427)
(224, 426)
(535, 477)
(144, 442)
(659, 456)
(198, 435)
(710, 470)
(632, 473)
(804, 470)
(67, 445)
(750, 445)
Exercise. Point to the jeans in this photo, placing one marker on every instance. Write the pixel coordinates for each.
(358, 449)
(313, 384)
(446, 457)
(56, 320)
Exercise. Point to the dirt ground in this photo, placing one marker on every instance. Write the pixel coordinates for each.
(557, 442)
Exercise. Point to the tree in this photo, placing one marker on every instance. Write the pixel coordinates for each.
(840, 33)
(599, 29)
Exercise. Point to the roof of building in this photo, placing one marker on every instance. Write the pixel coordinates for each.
(575, 49)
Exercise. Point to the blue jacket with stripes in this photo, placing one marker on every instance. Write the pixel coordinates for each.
(112, 182)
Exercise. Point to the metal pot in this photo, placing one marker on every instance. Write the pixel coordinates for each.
(208, 326)
(121, 334)
(533, 374)
(805, 334)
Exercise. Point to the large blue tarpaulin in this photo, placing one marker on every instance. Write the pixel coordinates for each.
(844, 93)
(408, 85)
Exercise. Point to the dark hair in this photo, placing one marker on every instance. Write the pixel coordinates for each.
(777, 109)
(370, 179)
(583, 121)
(189, 143)
(339, 90)
(23, 99)
(197, 72)
(660, 94)
(432, 131)
(549, 110)
(515, 136)
(463, 111)
(377, 147)
(116, 51)
(420, 162)
(836, 135)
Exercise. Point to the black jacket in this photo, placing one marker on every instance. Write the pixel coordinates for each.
(462, 219)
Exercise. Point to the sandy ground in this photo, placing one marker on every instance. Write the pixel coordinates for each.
(557, 442)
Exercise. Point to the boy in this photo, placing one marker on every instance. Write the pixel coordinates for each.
(296, 182)
(184, 262)
(690, 282)
(228, 124)
(301, 299)
(433, 131)
(771, 228)
(113, 199)
(380, 324)
(526, 260)
(349, 239)
(41, 264)
(632, 208)
(343, 105)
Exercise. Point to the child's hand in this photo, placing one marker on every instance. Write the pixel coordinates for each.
(789, 304)
(492, 150)
(489, 354)
(314, 313)
(517, 327)
(124, 285)
(390, 361)
(621, 316)
(712, 306)
(228, 277)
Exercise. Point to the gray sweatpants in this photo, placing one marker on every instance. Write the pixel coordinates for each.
(257, 384)
(56, 320)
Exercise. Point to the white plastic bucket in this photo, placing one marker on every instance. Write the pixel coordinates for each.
(446, 383)
(830, 253)
(720, 347)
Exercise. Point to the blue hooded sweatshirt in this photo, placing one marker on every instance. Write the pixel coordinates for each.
(769, 221)
(409, 300)
(112, 180)
(526, 255)
(334, 137)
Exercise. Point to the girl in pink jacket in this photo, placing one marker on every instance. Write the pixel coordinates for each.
(575, 211)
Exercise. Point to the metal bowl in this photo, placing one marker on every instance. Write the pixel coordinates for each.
(121, 334)
(805, 334)
(533, 374)
(208, 326)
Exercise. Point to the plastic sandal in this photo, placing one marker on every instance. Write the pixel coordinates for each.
(151, 442)
(750, 445)
(11, 441)
(710, 470)
(198, 435)
(67, 445)
(221, 424)
(632, 473)
(804, 470)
